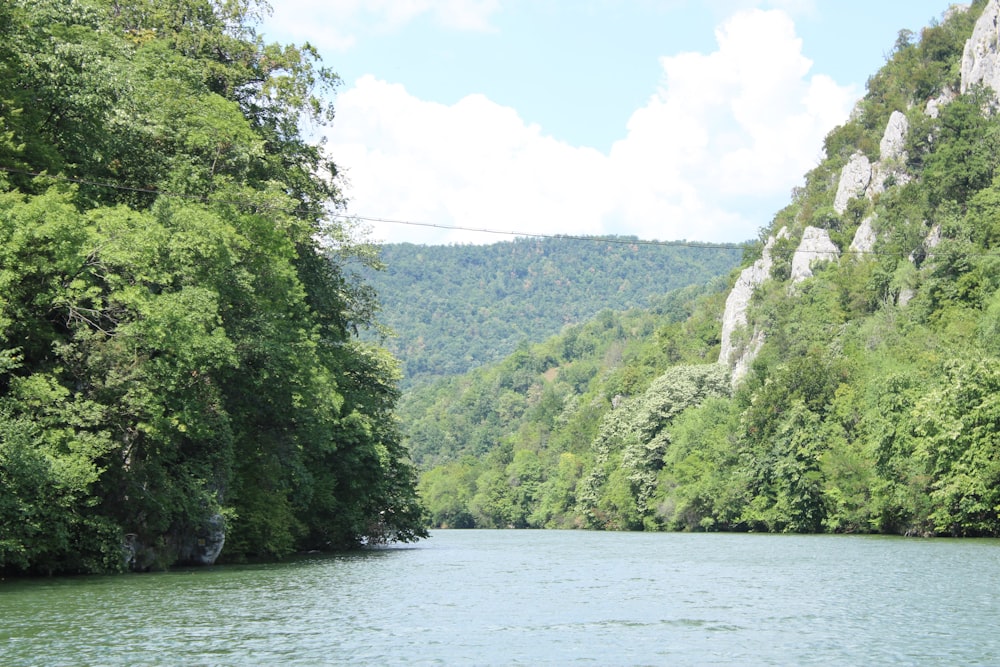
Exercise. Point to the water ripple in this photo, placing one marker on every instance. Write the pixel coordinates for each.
(535, 598)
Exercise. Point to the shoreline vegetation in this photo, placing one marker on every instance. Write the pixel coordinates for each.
(180, 375)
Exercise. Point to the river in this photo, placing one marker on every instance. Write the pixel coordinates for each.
(535, 598)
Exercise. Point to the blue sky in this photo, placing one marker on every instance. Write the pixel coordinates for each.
(666, 119)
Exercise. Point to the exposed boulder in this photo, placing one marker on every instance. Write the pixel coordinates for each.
(735, 315)
(933, 108)
(815, 246)
(931, 241)
(864, 237)
(854, 180)
(889, 170)
(933, 237)
(200, 546)
(894, 138)
(981, 57)
(203, 546)
(860, 177)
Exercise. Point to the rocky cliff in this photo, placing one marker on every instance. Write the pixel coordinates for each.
(860, 178)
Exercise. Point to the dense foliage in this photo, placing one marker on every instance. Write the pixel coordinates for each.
(454, 308)
(175, 348)
(873, 405)
(508, 444)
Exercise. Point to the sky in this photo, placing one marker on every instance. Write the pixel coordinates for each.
(663, 119)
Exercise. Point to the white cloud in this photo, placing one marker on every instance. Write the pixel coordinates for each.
(334, 25)
(726, 134)
(472, 164)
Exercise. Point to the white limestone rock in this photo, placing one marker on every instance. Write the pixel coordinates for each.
(854, 180)
(931, 241)
(735, 314)
(741, 365)
(981, 57)
(933, 108)
(889, 170)
(894, 138)
(954, 9)
(815, 246)
(884, 176)
(864, 237)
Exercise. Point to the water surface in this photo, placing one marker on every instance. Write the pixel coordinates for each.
(533, 598)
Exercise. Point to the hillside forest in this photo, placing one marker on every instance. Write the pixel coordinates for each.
(453, 308)
(856, 390)
(180, 376)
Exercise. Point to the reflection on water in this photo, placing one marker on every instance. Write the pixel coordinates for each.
(535, 597)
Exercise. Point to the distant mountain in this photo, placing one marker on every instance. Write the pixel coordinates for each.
(846, 379)
(454, 308)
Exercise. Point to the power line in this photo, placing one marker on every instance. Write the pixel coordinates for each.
(413, 223)
(348, 216)
(571, 237)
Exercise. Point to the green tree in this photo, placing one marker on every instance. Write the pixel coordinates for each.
(179, 327)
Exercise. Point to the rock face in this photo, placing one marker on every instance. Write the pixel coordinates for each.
(890, 168)
(854, 180)
(204, 546)
(864, 237)
(741, 365)
(735, 315)
(981, 57)
(894, 138)
(933, 108)
(860, 177)
(815, 246)
(201, 546)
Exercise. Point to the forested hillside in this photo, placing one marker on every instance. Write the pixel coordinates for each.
(846, 380)
(454, 308)
(177, 373)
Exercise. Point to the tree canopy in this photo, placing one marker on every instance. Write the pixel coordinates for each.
(177, 348)
(454, 308)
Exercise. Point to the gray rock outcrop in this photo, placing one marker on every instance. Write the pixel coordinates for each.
(741, 364)
(890, 168)
(933, 108)
(860, 177)
(894, 138)
(204, 546)
(815, 246)
(735, 315)
(854, 180)
(981, 57)
(931, 241)
(201, 546)
(956, 8)
(864, 237)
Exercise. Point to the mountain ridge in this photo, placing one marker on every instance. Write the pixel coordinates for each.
(849, 387)
(453, 308)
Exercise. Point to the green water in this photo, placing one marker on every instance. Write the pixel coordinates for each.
(533, 598)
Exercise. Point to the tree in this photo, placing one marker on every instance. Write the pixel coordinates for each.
(956, 426)
(178, 327)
